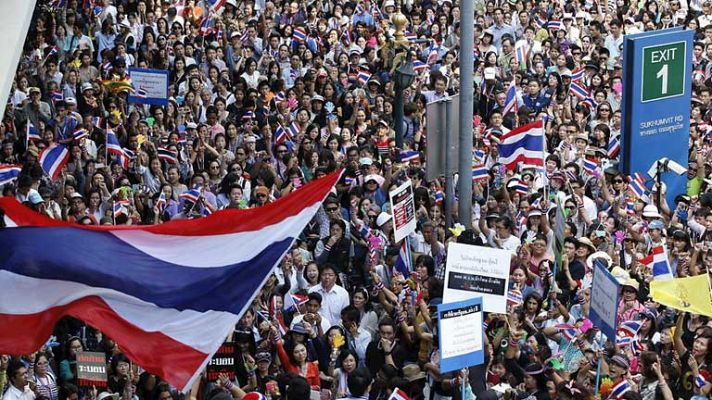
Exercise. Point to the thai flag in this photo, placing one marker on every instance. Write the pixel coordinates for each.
(419, 66)
(514, 297)
(521, 188)
(700, 381)
(554, 24)
(657, 262)
(478, 156)
(629, 328)
(206, 26)
(58, 3)
(363, 76)
(293, 129)
(619, 390)
(220, 35)
(578, 74)
(639, 177)
(32, 132)
(590, 167)
(281, 135)
(346, 36)
(119, 208)
(53, 159)
(479, 173)
(439, 197)
(430, 19)
(521, 52)
(216, 5)
(540, 21)
(161, 203)
(614, 146)
(192, 195)
(245, 36)
(9, 173)
(299, 34)
(398, 394)
(279, 97)
(411, 37)
(590, 102)
(637, 188)
(292, 301)
(630, 207)
(578, 90)
(167, 155)
(57, 96)
(409, 155)
(359, 9)
(147, 298)
(523, 145)
(97, 121)
(433, 55)
(80, 134)
(568, 331)
(521, 221)
(404, 263)
(248, 116)
(511, 103)
(52, 52)
(113, 147)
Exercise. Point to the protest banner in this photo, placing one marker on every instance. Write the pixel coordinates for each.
(403, 207)
(474, 271)
(91, 369)
(150, 86)
(223, 361)
(604, 301)
(460, 334)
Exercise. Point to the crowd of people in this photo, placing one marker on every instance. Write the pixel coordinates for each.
(266, 96)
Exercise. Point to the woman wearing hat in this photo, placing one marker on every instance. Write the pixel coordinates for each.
(629, 307)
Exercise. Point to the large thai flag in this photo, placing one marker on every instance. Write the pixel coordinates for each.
(179, 287)
(53, 159)
(9, 173)
(511, 103)
(523, 145)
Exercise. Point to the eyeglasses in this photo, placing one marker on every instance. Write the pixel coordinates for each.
(281, 151)
(617, 181)
(604, 109)
(332, 209)
(260, 196)
(570, 207)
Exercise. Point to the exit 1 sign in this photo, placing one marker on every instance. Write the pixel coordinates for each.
(663, 71)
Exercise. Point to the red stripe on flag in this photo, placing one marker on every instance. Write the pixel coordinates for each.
(175, 361)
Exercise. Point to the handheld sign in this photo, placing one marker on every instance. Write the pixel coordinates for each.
(476, 271)
(91, 369)
(403, 206)
(150, 86)
(224, 361)
(460, 334)
(604, 301)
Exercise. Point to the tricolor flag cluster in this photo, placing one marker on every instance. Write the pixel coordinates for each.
(147, 298)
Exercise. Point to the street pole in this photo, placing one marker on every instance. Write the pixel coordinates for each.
(449, 167)
(467, 85)
(398, 111)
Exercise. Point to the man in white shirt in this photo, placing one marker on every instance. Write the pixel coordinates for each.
(19, 388)
(334, 297)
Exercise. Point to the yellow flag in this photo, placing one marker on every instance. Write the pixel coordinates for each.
(686, 294)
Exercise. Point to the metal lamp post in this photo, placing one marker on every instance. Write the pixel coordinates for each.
(403, 78)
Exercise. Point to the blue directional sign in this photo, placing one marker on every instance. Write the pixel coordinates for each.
(657, 90)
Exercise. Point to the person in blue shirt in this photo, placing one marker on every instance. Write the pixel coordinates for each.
(534, 99)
